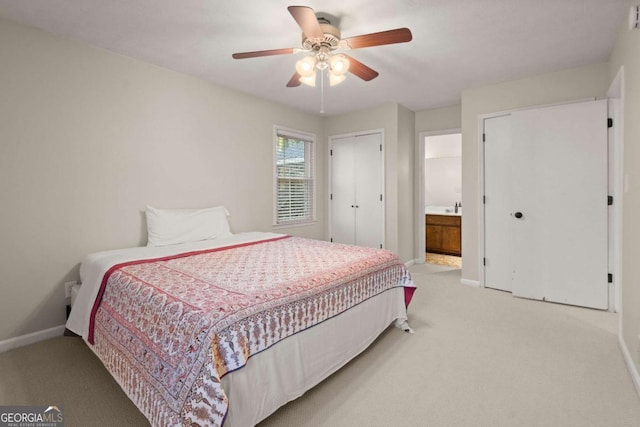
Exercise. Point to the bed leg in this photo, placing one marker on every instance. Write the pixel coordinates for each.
(69, 333)
(404, 325)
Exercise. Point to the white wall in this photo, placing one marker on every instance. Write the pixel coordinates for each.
(626, 53)
(89, 138)
(561, 86)
(406, 173)
(439, 119)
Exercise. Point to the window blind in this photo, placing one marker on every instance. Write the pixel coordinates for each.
(294, 179)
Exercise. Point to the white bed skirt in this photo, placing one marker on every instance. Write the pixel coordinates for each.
(292, 366)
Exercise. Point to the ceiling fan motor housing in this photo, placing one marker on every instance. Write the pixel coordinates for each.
(330, 40)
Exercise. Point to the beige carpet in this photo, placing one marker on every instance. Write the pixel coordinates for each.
(478, 358)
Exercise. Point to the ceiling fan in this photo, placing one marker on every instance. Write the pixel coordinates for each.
(322, 40)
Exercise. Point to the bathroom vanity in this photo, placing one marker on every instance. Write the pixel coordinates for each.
(443, 234)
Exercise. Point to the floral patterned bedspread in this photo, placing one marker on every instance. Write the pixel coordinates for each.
(169, 329)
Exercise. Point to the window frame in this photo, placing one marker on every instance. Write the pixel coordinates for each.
(311, 139)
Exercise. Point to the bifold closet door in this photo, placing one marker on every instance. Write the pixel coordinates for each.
(343, 191)
(356, 190)
(368, 194)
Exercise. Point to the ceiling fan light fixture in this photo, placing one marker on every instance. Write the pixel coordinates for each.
(335, 79)
(339, 65)
(306, 67)
(309, 80)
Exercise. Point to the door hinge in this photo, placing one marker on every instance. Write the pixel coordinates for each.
(484, 200)
(484, 137)
(380, 147)
(609, 122)
(381, 197)
(331, 240)
(609, 200)
(610, 278)
(331, 196)
(484, 261)
(380, 245)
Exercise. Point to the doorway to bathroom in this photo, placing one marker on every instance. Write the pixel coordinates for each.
(442, 198)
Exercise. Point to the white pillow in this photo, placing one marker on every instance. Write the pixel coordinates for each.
(173, 226)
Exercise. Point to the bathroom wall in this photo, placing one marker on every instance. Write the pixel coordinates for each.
(443, 170)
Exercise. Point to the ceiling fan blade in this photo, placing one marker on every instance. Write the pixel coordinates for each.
(295, 81)
(399, 35)
(359, 69)
(243, 55)
(307, 20)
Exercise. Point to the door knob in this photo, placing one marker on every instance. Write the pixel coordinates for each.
(518, 215)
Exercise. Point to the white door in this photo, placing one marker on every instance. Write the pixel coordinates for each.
(356, 204)
(560, 196)
(497, 205)
(368, 197)
(343, 191)
(557, 191)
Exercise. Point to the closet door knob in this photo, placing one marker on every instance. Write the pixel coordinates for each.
(518, 215)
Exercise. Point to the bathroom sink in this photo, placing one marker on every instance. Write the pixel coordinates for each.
(442, 210)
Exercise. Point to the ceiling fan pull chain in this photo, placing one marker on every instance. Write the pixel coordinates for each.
(322, 92)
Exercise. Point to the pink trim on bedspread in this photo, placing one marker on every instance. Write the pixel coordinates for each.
(408, 295)
(168, 330)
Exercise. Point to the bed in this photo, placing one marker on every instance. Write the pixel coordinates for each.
(226, 330)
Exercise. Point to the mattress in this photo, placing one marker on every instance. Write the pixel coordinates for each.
(179, 327)
(75, 289)
(297, 364)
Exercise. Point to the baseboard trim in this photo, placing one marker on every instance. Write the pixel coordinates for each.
(21, 341)
(410, 263)
(635, 377)
(473, 283)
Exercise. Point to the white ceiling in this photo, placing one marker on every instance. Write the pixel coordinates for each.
(457, 44)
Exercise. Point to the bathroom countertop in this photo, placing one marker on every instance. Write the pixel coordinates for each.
(443, 213)
(448, 210)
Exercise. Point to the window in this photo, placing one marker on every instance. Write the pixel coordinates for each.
(294, 186)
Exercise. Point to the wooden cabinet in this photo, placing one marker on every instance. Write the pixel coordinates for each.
(443, 234)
